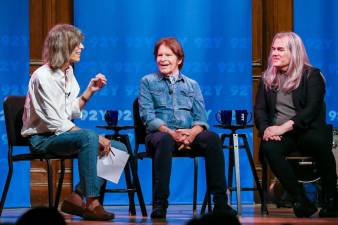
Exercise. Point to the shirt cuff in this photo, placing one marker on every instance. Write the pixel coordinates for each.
(155, 124)
(201, 123)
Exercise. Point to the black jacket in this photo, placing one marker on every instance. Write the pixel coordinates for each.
(308, 100)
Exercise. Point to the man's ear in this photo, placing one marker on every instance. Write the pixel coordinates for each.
(180, 61)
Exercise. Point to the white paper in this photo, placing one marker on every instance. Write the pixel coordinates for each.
(110, 167)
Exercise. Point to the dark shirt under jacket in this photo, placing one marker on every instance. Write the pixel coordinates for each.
(308, 100)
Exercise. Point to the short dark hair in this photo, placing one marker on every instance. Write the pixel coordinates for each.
(174, 46)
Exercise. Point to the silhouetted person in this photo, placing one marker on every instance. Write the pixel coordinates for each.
(41, 215)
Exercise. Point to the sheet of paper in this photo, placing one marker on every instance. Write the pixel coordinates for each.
(110, 167)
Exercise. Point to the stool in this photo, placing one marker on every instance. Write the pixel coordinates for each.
(234, 148)
(133, 185)
(303, 166)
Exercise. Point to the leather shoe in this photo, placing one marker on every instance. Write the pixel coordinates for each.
(159, 213)
(302, 207)
(70, 208)
(97, 214)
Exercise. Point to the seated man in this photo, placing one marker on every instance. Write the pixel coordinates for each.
(172, 108)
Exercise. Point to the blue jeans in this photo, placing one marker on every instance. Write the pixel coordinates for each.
(83, 142)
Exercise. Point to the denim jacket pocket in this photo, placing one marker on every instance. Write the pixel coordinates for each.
(185, 99)
(159, 98)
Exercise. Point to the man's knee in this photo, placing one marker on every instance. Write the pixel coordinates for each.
(269, 148)
(162, 138)
(265, 147)
(209, 137)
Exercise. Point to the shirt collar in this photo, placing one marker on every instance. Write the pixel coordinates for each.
(63, 75)
(178, 75)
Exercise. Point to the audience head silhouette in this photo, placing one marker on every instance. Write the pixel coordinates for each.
(41, 215)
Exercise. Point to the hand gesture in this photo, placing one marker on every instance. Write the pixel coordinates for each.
(273, 133)
(185, 138)
(97, 82)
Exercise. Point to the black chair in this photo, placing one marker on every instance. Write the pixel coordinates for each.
(140, 134)
(13, 110)
(304, 167)
(132, 181)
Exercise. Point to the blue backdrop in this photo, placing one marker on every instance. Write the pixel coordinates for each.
(317, 23)
(119, 40)
(14, 75)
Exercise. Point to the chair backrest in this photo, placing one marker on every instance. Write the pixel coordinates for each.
(13, 110)
(140, 128)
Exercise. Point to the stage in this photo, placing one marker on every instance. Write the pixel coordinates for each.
(180, 214)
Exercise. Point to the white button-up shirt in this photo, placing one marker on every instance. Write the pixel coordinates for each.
(51, 102)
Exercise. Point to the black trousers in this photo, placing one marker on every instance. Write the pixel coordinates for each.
(162, 145)
(318, 144)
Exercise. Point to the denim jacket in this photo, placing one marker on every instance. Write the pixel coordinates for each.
(177, 105)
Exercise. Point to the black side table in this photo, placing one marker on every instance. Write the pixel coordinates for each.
(234, 148)
(133, 185)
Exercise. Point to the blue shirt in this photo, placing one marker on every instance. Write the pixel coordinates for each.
(176, 105)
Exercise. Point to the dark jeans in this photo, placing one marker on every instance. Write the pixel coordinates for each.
(314, 142)
(162, 145)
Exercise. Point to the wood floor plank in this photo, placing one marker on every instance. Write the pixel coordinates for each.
(180, 214)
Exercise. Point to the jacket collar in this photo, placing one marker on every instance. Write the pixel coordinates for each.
(161, 76)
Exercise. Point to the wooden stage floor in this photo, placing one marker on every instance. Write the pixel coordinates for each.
(180, 214)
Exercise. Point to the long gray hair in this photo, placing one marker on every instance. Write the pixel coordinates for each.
(59, 44)
(298, 62)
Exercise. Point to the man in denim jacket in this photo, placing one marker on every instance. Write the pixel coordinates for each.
(172, 108)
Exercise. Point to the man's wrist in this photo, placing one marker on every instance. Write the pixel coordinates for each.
(169, 131)
(197, 129)
(165, 129)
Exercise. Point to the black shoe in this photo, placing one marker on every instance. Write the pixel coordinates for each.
(224, 209)
(159, 208)
(302, 207)
(330, 208)
(158, 213)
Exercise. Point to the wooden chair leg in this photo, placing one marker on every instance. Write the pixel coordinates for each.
(50, 183)
(60, 182)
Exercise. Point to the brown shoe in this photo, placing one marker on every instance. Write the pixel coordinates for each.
(97, 214)
(71, 208)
